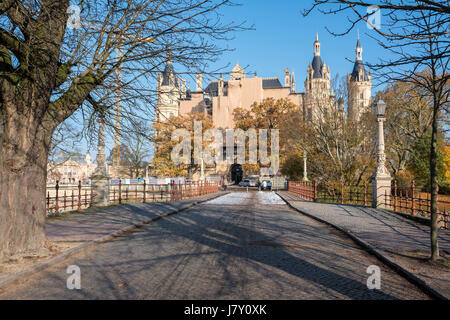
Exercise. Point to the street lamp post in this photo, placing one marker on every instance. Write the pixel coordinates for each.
(381, 179)
(305, 173)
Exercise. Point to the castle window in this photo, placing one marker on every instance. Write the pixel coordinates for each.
(361, 95)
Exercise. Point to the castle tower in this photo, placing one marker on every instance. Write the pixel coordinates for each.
(198, 83)
(183, 88)
(359, 84)
(287, 78)
(168, 93)
(220, 85)
(317, 86)
(293, 83)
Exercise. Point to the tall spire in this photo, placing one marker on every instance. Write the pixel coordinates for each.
(358, 50)
(293, 82)
(317, 45)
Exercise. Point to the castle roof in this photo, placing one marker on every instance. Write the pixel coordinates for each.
(271, 83)
(168, 70)
(357, 68)
(213, 87)
(317, 67)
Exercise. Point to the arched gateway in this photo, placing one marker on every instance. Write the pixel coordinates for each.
(236, 173)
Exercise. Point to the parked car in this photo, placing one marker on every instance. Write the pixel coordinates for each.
(245, 183)
(265, 185)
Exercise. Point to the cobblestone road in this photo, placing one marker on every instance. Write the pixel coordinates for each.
(239, 246)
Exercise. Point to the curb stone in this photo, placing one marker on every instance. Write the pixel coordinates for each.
(18, 277)
(422, 285)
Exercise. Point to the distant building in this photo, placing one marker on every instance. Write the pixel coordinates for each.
(72, 170)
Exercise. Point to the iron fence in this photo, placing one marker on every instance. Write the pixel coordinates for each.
(144, 192)
(62, 198)
(410, 200)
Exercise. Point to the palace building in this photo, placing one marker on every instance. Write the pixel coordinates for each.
(221, 96)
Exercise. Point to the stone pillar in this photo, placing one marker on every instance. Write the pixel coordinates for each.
(305, 172)
(100, 178)
(381, 179)
(198, 83)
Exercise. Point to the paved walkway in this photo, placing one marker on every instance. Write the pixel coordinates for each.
(238, 246)
(72, 230)
(396, 237)
(94, 223)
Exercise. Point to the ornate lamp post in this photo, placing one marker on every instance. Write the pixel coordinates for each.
(305, 173)
(381, 179)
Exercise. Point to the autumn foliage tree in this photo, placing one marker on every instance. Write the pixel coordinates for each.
(268, 114)
(163, 164)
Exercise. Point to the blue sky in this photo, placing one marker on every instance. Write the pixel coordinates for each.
(284, 38)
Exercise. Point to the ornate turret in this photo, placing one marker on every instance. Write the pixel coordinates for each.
(220, 85)
(293, 83)
(198, 82)
(237, 72)
(168, 91)
(317, 46)
(287, 78)
(317, 84)
(359, 84)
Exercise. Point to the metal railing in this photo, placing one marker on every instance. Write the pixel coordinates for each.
(63, 198)
(405, 200)
(144, 192)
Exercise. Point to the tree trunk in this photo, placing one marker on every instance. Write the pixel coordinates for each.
(24, 145)
(434, 186)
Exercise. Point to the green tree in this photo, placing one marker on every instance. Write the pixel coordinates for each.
(419, 162)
